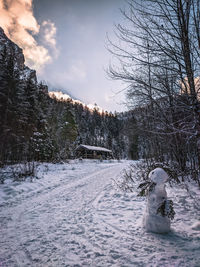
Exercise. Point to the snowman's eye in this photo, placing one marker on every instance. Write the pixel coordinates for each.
(152, 172)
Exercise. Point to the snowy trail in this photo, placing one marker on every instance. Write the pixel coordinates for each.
(73, 216)
(49, 227)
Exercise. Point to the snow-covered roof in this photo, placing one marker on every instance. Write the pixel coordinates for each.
(96, 148)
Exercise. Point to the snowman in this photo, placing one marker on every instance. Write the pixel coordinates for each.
(158, 208)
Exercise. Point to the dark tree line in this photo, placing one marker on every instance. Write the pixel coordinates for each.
(20, 113)
(34, 126)
(100, 128)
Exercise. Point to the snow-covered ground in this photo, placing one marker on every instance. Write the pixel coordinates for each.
(74, 216)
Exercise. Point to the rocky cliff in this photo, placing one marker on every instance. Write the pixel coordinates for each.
(9, 51)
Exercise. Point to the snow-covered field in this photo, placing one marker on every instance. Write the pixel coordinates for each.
(74, 216)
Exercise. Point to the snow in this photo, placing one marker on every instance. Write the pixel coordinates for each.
(95, 107)
(158, 176)
(96, 148)
(65, 97)
(59, 95)
(26, 74)
(73, 215)
(154, 222)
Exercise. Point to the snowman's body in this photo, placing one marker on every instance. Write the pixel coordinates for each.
(153, 221)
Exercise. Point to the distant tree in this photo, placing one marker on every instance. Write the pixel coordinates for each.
(11, 141)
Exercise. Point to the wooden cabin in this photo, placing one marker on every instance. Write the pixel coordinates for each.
(93, 152)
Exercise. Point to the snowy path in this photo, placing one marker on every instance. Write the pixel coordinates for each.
(74, 217)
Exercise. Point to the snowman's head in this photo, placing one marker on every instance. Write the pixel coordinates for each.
(158, 176)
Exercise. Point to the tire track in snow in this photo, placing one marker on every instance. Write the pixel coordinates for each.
(39, 232)
(88, 223)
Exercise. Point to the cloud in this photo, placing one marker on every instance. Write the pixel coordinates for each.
(49, 32)
(48, 35)
(18, 21)
(108, 97)
(76, 72)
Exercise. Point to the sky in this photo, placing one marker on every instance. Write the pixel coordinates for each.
(65, 41)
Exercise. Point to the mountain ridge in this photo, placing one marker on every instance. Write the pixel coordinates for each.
(14, 52)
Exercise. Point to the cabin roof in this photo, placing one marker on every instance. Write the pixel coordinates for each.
(94, 148)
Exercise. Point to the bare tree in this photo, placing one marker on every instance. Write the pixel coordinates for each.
(159, 54)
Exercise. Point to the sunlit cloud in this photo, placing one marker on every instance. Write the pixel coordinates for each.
(18, 21)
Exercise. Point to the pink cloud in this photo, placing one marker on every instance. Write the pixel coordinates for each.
(20, 25)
